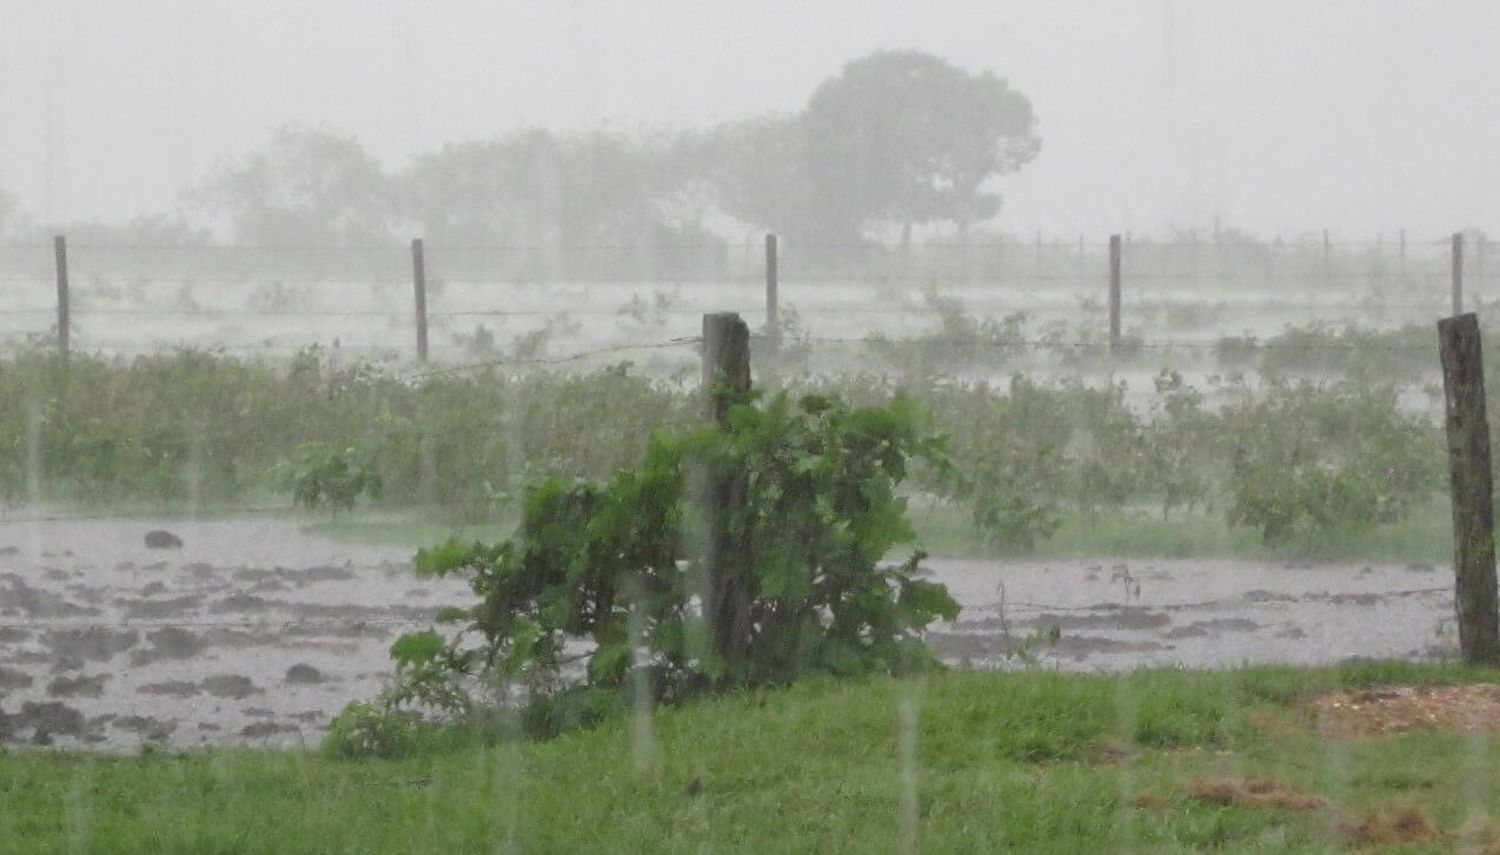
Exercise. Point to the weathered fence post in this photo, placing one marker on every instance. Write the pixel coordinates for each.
(1458, 273)
(60, 251)
(773, 308)
(1114, 291)
(1469, 470)
(419, 284)
(726, 605)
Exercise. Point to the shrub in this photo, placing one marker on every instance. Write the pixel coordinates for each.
(1309, 460)
(624, 567)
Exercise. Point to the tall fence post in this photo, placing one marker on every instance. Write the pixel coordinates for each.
(773, 308)
(1458, 273)
(726, 359)
(419, 284)
(1114, 291)
(60, 252)
(1468, 432)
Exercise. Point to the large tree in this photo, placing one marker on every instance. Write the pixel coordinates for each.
(538, 187)
(900, 138)
(907, 138)
(306, 187)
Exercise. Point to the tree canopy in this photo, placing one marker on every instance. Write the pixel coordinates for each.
(896, 138)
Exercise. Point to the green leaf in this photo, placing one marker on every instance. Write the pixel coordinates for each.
(416, 647)
(608, 665)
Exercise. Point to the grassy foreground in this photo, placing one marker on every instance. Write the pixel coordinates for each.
(955, 762)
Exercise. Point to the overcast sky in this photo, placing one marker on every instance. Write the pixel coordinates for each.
(1276, 115)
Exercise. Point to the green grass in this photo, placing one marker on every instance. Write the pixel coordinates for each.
(1425, 537)
(1029, 762)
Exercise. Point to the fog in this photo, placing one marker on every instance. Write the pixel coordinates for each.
(1277, 117)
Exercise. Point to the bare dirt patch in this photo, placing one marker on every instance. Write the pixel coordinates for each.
(1393, 825)
(1391, 710)
(1251, 792)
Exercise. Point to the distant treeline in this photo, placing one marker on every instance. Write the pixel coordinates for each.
(895, 140)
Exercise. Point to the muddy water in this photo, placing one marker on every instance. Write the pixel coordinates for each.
(258, 632)
(1194, 613)
(253, 632)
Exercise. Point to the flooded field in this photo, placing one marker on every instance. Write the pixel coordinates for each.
(258, 632)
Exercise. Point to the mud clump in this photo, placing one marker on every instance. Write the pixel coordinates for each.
(304, 674)
(52, 718)
(1251, 792)
(243, 603)
(147, 727)
(235, 686)
(172, 643)
(266, 729)
(80, 686)
(11, 679)
(98, 644)
(1202, 628)
(159, 539)
(18, 596)
(171, 689)
(156, 609)
(310, 575)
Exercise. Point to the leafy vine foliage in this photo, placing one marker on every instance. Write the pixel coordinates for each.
(618, 575)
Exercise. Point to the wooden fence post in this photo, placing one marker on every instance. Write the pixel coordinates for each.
(773, 309)
(1458, 273)
(419, 284)
(60, 251)
(1468, 432)
(726, 359)
(1114, 291)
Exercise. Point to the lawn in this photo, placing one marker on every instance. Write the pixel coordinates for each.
(953, 762)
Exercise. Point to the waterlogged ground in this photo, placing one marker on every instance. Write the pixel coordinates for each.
(1193, 612)
(258, 632)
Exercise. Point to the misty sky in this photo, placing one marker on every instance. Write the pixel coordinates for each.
(1277, 115)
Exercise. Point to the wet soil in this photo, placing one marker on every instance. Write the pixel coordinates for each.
(257, 632)
(250, 632)
(1191, 613)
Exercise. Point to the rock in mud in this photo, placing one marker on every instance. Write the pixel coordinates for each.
(304, 673)
(159, 539)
